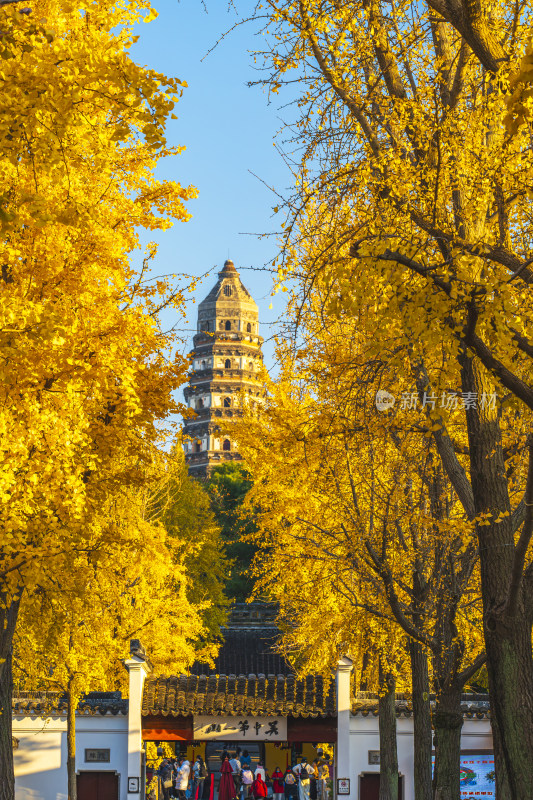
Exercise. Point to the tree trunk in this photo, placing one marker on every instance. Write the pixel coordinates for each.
(9, 609)
(507, 638)
(511, 702)
(363, 682)
(7, 777)
(421, 721)
(388, 753)
(72, 702)
(447, 723)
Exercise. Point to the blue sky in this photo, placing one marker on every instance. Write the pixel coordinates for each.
(228, 130)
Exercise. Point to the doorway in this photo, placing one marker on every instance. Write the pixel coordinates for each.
(369, 786)
(214, 750)
(97, 786)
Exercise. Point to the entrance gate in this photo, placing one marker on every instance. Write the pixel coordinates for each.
(277, 718)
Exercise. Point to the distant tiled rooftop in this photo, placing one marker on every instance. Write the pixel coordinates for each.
(252, 615)
(47, 703)
(249, 644)
(472, 705)
(245, 651)
(258, 695)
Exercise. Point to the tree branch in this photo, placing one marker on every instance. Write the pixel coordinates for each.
(339, 90)
(468, 19)
(455, 471)
(452, 466)
(465, 675)
(511, 381)
(518, 515)
(394, 601)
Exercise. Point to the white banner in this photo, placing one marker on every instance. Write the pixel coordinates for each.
(241, 729)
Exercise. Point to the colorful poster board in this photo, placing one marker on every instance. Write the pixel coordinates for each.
(477, 776)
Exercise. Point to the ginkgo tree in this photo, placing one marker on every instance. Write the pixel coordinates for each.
(414, 189)
(355, 511)
(87, 375)
(69, 87)
(186, 514)
(130, 582)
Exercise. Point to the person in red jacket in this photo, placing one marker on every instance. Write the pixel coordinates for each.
(278, 788)
(259, 788)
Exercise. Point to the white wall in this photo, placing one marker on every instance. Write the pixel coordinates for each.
(364, 736)
(41, 757)
(40, 760)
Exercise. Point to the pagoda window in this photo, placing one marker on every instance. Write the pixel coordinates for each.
(248, 328)
(228, 325)
(226, 445)
(227, 290)
(198, 447)
(227, 363)
(251, 366)
(203, 364)
(227, 402)
(200, 402)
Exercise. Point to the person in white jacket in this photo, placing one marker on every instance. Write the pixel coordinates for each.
(182, 778)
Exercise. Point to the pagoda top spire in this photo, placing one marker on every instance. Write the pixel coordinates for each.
(229, 289)
(229, 266)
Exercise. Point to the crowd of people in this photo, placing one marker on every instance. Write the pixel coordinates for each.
(240, 781)
(303, 781)
(177, 780)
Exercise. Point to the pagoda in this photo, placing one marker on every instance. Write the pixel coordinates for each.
(226, 361)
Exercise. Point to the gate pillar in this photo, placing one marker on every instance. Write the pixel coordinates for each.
(344, 704)
(138, 667)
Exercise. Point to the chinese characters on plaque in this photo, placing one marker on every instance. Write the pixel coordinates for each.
(241, 729)
(97, 755)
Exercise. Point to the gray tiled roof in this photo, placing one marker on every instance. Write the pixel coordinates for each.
(472, 706)
(47, 703)
(258, 695)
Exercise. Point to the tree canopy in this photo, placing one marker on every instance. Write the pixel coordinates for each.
(75, 627)
(190, 521)
(88, 375)
(411, 216)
